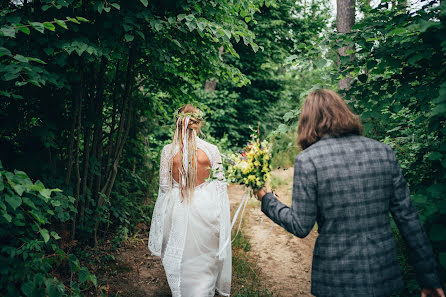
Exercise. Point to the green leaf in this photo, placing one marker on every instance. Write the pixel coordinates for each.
(23, 29)
(36, 60)
(93, 279)
(129, 37)
(116, 5)
(14, 201)
(7, 217)
(287, 116)
(61, 23)
(74, 263)
(75, 20)
(85, 20)
(28, 202)
(5, 51)
(144, 2)
(45, 234)
(46, 193)
(55, 289)
(49, 26)
(55, 203)
(55, 235)
(37, 216)
(171, 20)
(158, 26)
(83, 274)
(38, 26)
(282, 128)
(100, 7)
(8, 31)
(397, 31)
(27, 288)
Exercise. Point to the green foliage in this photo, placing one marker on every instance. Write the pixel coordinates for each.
(284, 147)
(29, 213)
(282, 29)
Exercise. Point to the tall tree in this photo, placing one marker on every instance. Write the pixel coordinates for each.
(345, 19)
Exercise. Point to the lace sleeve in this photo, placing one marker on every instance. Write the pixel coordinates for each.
(224, 278)
(157, 224)
(164, 169)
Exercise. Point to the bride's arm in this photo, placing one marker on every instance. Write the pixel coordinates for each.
(157, 225)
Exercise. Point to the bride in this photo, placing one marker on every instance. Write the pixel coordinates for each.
(191, 220)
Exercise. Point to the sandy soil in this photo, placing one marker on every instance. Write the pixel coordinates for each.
(285, 260)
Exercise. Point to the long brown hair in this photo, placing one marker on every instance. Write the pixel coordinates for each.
(325, 112)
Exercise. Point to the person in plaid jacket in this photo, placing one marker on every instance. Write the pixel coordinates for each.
(348, 184)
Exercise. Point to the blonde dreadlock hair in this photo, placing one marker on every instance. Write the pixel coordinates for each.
(188, 124)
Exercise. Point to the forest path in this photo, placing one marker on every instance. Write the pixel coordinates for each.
(284, 259)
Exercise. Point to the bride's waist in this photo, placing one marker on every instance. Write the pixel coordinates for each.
(199, 187)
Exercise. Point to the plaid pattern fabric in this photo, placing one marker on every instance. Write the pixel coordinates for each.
(349, 185)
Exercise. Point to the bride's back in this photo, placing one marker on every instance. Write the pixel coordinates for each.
(203, 167)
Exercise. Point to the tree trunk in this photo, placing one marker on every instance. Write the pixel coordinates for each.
(79, 95)
(345, 19)
(113, 120)
(124, 126)
(87, 139)
(99, 107)
(71, 145)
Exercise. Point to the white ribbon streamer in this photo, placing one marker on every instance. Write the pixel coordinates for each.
(234, 219)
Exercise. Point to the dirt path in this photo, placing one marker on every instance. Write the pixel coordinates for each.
(284, 258)
(136, 273)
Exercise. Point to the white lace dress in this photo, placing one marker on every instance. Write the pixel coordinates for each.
(188, 236)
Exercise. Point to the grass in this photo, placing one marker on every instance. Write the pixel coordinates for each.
(246, 278)
(276, 182)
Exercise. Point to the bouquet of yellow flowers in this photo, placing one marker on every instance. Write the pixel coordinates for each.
(252, 165)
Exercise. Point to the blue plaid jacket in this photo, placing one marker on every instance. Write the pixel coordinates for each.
(348, 185)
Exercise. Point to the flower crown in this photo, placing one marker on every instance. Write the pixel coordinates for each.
(198, 115)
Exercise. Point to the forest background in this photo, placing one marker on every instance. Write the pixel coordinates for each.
(88, 90)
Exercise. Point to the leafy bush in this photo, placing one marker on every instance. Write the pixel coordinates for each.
(30, 254)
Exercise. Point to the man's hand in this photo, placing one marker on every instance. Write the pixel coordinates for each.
(432, 292)
(260, 193)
